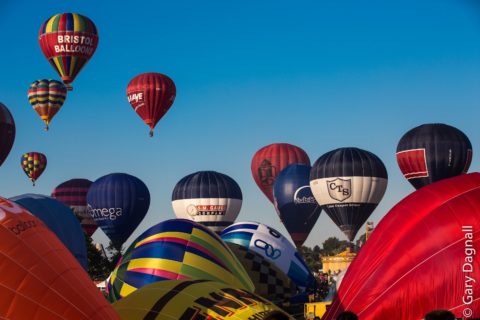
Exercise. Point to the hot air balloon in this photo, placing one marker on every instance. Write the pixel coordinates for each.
(33, 163)
(41, 279)
(7, 132)
(118, 202)
(151, 95)
(68, 41)
(176, 249)
(209, 198)
(432, 152)
(420, 257)
(348, 183)
(73, 193)
(58, 218)
(273, 246)
(295, 202)
(47, 97)
(270, 282)
(270, 160)
(194, 299)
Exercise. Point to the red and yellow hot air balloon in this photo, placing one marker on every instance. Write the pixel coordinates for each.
(33, 163)
(270, 160)
(68, 41)
(47, 97)
(151, 95)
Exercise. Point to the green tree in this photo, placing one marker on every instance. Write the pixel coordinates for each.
(113, 255)
(311, 257)
(98, 264)
(333, 246)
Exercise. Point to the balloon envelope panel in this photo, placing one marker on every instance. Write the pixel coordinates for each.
(176, 249)
(419, 256)
(60, 219)
(272, 245)
(7, 132)
(41, 279)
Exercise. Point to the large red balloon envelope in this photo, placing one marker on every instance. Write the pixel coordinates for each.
(68, 41)
(7, 132)
(151, 95)
(270, 160)
(40, 277)
(421, 257)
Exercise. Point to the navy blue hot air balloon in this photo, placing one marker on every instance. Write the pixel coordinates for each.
(432, 152)
(295, 203)
(209, 198)
(118, 202)
(60, 219)
(348, 183)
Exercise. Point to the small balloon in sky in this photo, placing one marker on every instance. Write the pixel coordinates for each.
(46, 98)
(33, 163)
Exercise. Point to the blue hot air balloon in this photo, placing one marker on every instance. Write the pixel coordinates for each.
(60, 219)
(209, 198)
(295, 203)
(118, 202)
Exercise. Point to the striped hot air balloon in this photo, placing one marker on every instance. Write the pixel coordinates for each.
(68, 41)
(47, 97)
(176, 249)
(33, 163)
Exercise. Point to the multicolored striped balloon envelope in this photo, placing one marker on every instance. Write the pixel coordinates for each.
(194, 299)
(33, 164)
(46, 98)
(176, 249)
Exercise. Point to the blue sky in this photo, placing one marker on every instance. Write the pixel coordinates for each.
(317, 74)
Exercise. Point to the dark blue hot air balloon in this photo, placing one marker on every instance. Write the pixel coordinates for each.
(295, 203)
(60, 219)
(118, 202)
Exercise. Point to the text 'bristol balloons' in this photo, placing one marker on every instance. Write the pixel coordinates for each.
(209, 198)
(118, 202)
(41, 279)
(176, 249)
(270, 160)
(33, 163)
(68, 41)
(7, 132)
(421, 256)
(60, 219)
(47, 97)
(432, 152)
(295, 202)
(348, 183)
(198, 299)
(73, 193)
(270, 243)
(151, 95)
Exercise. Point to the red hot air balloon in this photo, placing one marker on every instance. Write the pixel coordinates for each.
(420, 257)
(151, 95)
(68, 41)
(270, 160)
(7, 132)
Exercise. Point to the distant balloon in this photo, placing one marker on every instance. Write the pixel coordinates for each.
(73, 193)
(60, 219)
(348, 183)
(420, 256)
(176, 249)
(118, 202)
(151, 95)
(270, 282)
(33, 163)
(68, 41)
(270, 160)
(432, 152)
(7, 132)
(209, 198)
(47, 97)
(41, 279)
(194, 299)
(295, 202)
(273, 246)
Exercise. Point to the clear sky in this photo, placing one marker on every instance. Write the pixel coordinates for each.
(317, 74)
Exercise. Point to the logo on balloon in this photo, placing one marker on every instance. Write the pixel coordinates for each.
(267, 173)
(339, 189)
(104, 213)
(270, 251)
(206, 210)
(303, 195)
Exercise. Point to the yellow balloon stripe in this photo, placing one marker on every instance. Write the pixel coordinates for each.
(153, 263)
(180, 235)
